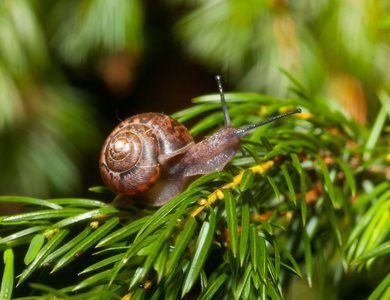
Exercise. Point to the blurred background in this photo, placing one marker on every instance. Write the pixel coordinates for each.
(71, 69)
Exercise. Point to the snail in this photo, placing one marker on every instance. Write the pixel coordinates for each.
(153, 157)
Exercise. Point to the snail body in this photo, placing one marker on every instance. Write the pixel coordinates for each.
(153, 156)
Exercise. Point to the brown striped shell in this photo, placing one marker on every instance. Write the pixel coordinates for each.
(135, 153)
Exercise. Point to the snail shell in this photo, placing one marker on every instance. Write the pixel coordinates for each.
(135, 153)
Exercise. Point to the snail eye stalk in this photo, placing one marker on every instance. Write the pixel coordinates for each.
(244, 130)
(223, 102)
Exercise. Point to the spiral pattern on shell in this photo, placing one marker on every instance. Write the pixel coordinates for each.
(135, 153)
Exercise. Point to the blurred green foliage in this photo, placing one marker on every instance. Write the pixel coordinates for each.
(335, 48)
(85, 30)
(46, 124)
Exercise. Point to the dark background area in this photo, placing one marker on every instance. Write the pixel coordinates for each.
(164, 81)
